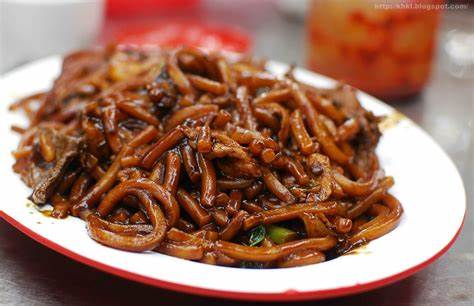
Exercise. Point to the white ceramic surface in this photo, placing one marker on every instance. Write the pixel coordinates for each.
(426, 182)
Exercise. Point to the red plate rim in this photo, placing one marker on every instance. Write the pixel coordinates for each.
(290, 295)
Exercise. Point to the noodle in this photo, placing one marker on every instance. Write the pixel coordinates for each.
(205, 158)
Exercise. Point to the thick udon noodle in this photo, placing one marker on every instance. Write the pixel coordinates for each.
(206, 158)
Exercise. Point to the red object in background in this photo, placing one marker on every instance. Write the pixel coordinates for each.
(173, 34)
(134, 7)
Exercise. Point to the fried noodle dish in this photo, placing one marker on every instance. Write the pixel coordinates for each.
(206, 157)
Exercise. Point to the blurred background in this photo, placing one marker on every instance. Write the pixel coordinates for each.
(383, 47)
(418, 55)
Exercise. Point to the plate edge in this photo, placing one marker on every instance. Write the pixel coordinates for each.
(289, 295)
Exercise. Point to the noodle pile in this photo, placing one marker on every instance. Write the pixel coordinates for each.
(205, 157)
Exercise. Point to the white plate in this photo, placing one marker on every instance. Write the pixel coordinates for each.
(426, 182)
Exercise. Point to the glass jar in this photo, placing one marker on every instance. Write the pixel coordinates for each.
(382, 47)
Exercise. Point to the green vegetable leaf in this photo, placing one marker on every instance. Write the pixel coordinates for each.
(257, 235)
(280, 234)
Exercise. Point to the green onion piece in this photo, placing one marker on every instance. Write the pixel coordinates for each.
(280, 234)
(257, 235)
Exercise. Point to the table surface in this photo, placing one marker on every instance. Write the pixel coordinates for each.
(32, 274)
